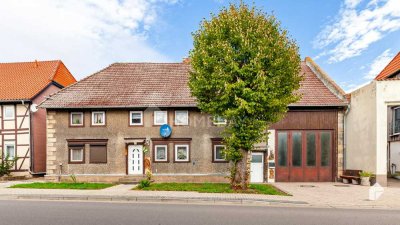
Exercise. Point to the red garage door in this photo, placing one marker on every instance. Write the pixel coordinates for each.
(304, 156)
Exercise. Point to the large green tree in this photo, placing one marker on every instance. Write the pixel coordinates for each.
(245, 69)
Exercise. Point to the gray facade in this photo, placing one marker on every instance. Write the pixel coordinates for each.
(119, 134)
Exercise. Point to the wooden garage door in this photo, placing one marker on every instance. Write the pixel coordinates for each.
(304, 156)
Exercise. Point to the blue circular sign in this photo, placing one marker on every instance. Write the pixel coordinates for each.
(165, 130)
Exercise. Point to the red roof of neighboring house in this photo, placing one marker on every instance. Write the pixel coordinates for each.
(391, 68)
(24, 80)
(125, 85)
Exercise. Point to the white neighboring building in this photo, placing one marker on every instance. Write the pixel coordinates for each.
(373, 124)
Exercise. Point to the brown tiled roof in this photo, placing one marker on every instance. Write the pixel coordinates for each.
(124, 85)
(24, 80)
(129, 85)
(317, 89)
(390, 69)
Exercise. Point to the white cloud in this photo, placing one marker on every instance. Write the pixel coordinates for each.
(86, 35)
(356, 28)
(378, 64)
(352, 87)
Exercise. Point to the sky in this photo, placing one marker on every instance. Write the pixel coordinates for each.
(352, 40)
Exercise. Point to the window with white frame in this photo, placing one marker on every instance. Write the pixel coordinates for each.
(76, 154)
(219, 120)
(182, 153)
(219, 154)
(396, 120)
(160, 117)
(136, 118)
(98, 118)
(9, 112)
(181, 117)
(76, 118)
(9, 151)
(161, 153)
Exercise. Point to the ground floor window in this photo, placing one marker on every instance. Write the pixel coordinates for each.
(181, 153)
(98, 154)
(161, 153)
(396, 120)
(9, 151)
(76, 154)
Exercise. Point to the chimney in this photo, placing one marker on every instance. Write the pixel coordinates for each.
(186, 60)
(36, 63)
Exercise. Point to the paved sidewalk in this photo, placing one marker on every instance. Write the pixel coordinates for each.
(331, 195)
(339, 195)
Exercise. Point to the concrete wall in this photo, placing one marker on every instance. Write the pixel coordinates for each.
(361, 130)
(388, 94)
(367, 127)
(118, 132)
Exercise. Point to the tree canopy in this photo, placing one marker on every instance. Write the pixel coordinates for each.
(245, 69)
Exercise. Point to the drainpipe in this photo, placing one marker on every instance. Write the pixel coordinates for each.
(344, 136)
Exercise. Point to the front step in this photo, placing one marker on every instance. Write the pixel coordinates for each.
(131, 179)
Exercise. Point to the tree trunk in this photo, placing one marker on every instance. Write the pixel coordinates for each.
(242, 175)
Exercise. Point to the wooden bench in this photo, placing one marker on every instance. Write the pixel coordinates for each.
(351, 176)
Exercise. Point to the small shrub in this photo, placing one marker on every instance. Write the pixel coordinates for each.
(73, 178)
(6, 165)
(144, 183)
(149, 175)
(365, 174)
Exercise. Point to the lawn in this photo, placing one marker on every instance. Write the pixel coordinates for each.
(264, 189)
(48, 185)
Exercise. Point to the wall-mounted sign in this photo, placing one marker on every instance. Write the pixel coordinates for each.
(165, 131)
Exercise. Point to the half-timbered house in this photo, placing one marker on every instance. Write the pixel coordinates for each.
(23, 85)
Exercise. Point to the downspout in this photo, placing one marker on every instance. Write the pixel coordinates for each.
(344, 136)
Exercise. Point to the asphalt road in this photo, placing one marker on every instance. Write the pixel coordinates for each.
(99, 213)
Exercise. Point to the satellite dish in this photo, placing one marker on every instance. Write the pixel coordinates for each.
(165, 131)
(34, 108)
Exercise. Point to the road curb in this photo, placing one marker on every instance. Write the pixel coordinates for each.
(208, 200)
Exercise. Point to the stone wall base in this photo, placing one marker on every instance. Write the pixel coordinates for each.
(157, 178)
(191, 178)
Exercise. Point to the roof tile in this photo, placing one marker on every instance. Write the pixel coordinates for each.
(24, 80)
(126, 85)
(390, 69)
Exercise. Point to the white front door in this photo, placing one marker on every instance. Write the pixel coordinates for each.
(257, 167)
(135, 159)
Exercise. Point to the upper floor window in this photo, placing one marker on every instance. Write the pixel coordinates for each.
(181, 117)
(396, 120)
(136, 118)
(219, 120)
(9, 112)
(76, 118)
(160, 117)
(99, 118)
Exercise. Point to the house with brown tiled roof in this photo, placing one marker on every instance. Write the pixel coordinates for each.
(373, 124)
(132, 117)
(23, 85)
